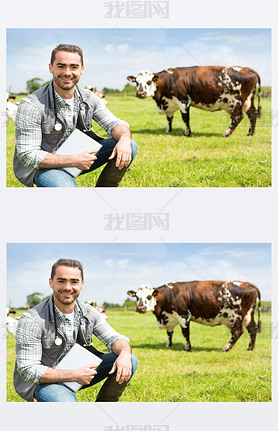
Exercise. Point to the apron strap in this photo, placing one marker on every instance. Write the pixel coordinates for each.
(80, 125)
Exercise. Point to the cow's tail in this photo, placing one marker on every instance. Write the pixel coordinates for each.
(259, 326)
(259, 110)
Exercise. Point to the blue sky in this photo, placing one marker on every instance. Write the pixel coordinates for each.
(112, 54)
(110, 270)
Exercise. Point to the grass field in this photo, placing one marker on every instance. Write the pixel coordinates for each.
(173, 375)
(172, 160)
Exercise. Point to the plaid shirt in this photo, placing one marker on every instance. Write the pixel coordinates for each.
(29, 128)
(29, 339)
(66, 326)
(29, 342)
(69, 116)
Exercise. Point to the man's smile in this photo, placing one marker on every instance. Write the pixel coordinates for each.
(66, 294)
(66, 79)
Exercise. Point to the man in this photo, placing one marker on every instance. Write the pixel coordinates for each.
(48, 116)
(49, 330)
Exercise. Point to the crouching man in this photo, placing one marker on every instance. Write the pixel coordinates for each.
(47, 332)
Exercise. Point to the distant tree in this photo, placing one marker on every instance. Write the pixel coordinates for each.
(111, 305)
(34, 84)
(129, 89)
(111, 90)
(34, 299)
(128, 299)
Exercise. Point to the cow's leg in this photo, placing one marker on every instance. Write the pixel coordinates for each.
(169, 341)
(185, 333)
(236, 330)
(169, 127)
(252, 328)
(252, 115)
(185, 117)
(236, 118)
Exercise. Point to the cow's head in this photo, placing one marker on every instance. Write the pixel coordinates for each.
(146, 84)
(146, 300)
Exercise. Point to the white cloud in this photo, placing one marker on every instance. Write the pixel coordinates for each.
(109, 263)
(123, 263)
(109, 48)
(122, 49)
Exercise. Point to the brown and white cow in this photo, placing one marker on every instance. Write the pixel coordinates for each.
(212, 88)
(212, 303)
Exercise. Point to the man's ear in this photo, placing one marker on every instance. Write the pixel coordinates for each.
(50, 281)
(50, 68)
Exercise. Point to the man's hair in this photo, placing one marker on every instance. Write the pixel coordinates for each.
(71, 263)
(68, 48)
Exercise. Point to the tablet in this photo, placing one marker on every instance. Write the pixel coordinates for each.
(75, 144)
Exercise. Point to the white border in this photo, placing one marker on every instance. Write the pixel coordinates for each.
(196, 215)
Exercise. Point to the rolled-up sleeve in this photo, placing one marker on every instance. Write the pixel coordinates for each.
(104, 117)
(29, 350)
(106, 334)
(28, 135)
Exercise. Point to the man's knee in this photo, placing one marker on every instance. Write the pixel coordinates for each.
(54, 392)
(54, 178)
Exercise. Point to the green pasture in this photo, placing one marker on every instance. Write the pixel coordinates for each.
(172, 160)
(173, 375)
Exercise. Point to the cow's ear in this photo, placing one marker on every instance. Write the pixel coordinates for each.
(131, 78)
(131, 293)
(155, 292)
(155, 78)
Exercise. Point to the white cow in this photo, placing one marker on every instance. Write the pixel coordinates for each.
(11, 107)
(11, 323)
(100, 308)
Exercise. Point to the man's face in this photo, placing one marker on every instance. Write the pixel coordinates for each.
(66, 284)
(66, 69)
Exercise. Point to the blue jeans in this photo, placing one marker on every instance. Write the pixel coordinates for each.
(59, 178)
(57, 392)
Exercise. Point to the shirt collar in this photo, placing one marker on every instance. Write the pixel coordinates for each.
(61, 102)
(61, 315)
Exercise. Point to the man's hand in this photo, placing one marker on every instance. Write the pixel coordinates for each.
(84, 375)
(123, 363)
(123, 152)
(123, 366)
(81, 161)
(85, 160)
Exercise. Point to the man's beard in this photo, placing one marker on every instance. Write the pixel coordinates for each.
(59, 83)
(68, 301)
